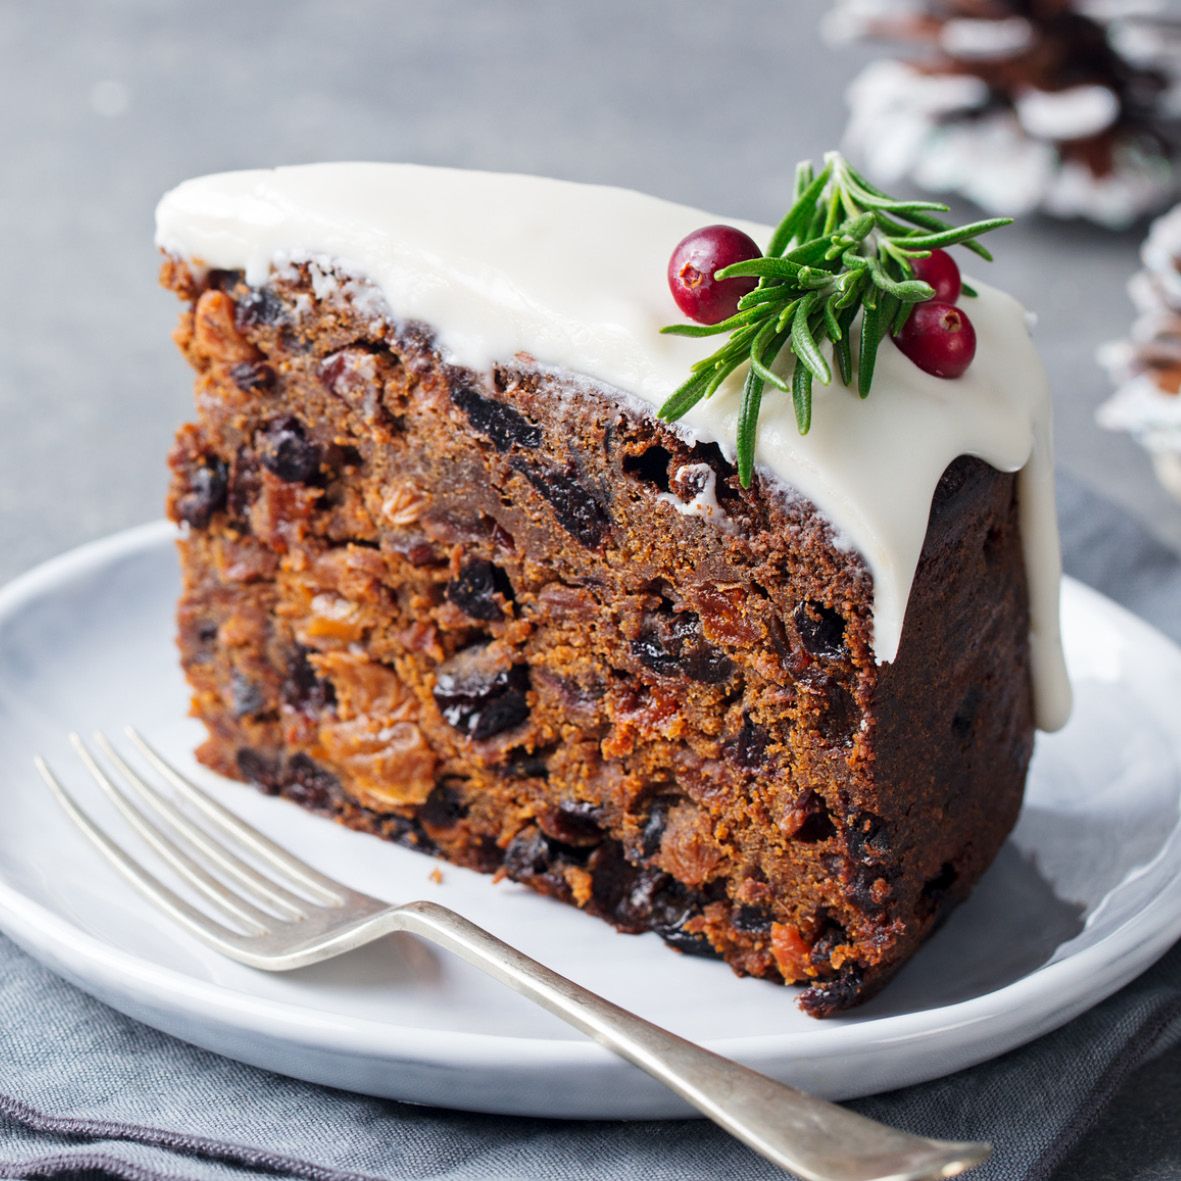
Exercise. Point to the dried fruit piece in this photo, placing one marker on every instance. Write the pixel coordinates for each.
(500, 423)
(286, 451)
(215, 333)
(579, 510)
(480, 694)
(260, 306)
(573, 822)
(479, 589)
(252, 376)
(206, 494)
(303, 687)
(821, 629)
(671, 644)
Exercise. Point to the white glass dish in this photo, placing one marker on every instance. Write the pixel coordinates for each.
(1085, 895)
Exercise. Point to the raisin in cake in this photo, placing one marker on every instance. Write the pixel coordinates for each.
(448, 579)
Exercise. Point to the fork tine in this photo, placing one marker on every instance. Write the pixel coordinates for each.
(151, 887)
(290, 905)
(331, 891)
(245, 912)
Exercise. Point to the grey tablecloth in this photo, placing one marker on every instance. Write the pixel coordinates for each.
(83, 1088)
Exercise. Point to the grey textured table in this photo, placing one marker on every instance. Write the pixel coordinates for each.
(108, 104)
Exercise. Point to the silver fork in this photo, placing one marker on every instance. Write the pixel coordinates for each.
(294, 915)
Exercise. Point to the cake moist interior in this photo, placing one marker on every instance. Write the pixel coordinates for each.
(512, 620)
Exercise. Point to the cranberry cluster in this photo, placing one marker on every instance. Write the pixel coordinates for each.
(938, 336)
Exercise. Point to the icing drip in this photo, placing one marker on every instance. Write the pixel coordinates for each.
(702, 481)
(574, 275)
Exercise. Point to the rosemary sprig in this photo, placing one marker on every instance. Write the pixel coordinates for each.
(844, 248)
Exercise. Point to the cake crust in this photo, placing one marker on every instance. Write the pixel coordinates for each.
(517, 622)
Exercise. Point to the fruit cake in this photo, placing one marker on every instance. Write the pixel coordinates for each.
(451, 579)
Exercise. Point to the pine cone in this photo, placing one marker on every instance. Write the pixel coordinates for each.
(1020, 104)
(1147, 367)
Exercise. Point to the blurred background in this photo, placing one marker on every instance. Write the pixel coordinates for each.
(108, 104)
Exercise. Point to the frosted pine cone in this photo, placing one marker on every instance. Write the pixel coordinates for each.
(1021, 105)
(1147, 367)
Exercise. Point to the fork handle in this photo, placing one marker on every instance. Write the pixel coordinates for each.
(817, 1140)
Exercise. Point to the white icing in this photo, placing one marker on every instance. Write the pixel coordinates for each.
(705, 501)
(574, 275)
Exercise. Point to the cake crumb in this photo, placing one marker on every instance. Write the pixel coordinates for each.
(436, 876)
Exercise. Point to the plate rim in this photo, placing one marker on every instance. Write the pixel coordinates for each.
(1140, 940)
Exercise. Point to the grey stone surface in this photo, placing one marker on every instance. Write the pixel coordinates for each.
(111, 103)
(108, 104)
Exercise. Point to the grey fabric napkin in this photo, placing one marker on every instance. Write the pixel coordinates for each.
(83, 1089)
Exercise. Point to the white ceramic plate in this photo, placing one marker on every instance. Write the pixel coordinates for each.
(1085, 895)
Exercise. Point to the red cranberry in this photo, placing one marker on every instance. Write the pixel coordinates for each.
(941, 272)
(693, 264)
(939, 338)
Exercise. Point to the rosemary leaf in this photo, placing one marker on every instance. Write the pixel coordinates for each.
(870, 339)
(801, 397)
(684, 398)
(748, 425)
(859, 227)
(902, 208)
(805, 174)
(953, 237)
(812, 250)
(770, 268)
(803, 343)
(855, 281)
(738, 320)
(786, 315)
(843, 351)
(760, 295)
(761, 361)
(720, 375)
(934, 224)
(900, 317)
(802, 210)
(832, 324)
(813, 278)
(907, 290)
